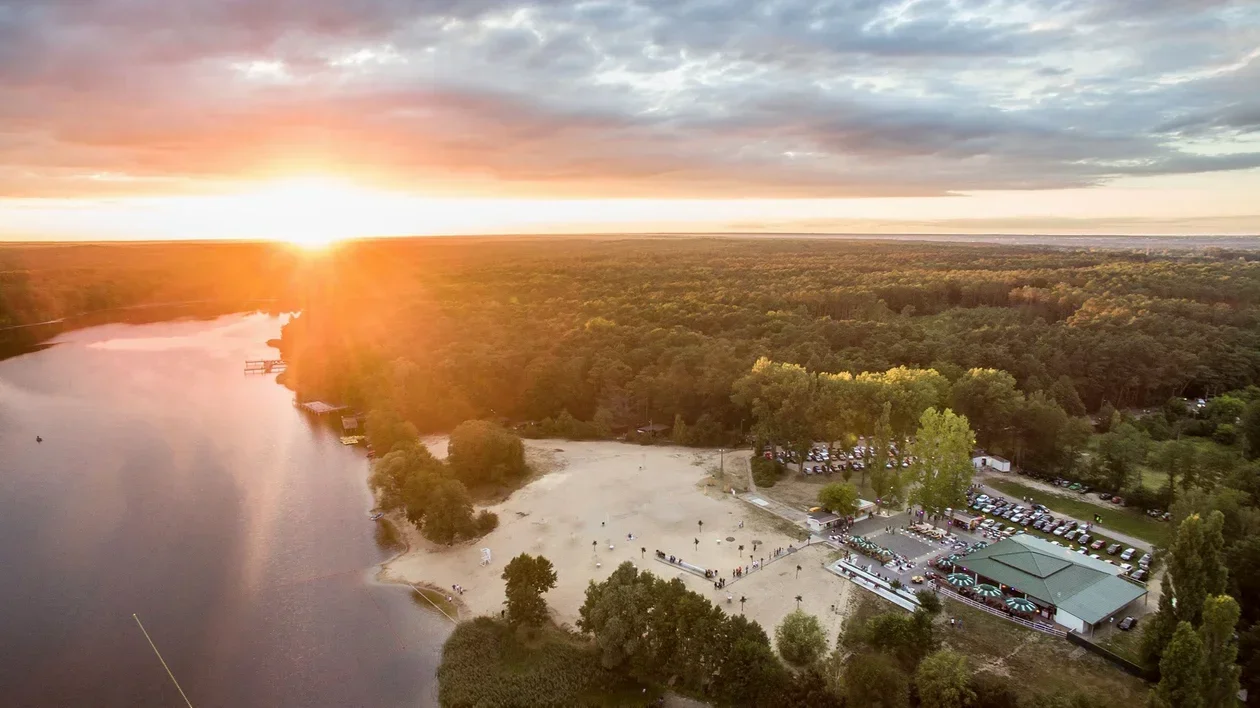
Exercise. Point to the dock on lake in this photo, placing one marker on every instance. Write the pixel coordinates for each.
(264, 366)
(319, 407)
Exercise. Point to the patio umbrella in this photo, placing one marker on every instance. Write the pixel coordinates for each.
(1020, 604)
(986, 590)
(962, 580)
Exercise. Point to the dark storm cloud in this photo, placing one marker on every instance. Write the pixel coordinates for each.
(643, 97)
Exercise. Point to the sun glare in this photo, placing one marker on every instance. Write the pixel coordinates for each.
(308, 212)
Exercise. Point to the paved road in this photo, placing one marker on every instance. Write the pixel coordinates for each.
(1104, 530)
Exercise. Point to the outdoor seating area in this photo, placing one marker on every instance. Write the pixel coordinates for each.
(997, 597)
(886, 556)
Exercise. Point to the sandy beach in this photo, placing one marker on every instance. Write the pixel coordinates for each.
(579, 512)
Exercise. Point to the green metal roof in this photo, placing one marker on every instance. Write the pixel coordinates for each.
(1075, 583)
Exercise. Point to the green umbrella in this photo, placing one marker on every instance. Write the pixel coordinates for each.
(962, 580)
(986, 590)
(1020, 604)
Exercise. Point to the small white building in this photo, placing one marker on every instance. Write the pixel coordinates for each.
(820, 521)
(864, 510)
(981, 460)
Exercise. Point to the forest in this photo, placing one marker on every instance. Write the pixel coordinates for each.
(623, 332)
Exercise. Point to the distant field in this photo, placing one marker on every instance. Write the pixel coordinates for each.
(1120, 519)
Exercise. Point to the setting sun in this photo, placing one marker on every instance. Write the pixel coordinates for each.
(312, 212)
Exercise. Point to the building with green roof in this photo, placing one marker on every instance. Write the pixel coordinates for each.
(1077, 591)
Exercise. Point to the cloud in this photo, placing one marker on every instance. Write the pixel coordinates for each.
(657, 98)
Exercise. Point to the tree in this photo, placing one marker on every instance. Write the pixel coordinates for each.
(942, 466)
(882, 481)
(907, 638)
(481, 452)
(988, 398)
(1106, 416)
(1173, 457)
(1045, 439)
(809, 689)
(929, 601)
(750, 675)
(385, 429)
(1121, 451)
(839, 497)
(1225, 409)
(680, 433)
(1250, 430)
(944, 681)
(527, 578)
(781, 398)
(800, 639)
(876, 681)
(1196, 570)
(1196, 566)
(1220, 651)
(1181, 671)
(449, 513)
(392, 473)
(1064, 391)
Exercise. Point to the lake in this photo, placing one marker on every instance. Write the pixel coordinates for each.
(171, 485)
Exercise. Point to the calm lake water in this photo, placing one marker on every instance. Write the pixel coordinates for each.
(173, 486)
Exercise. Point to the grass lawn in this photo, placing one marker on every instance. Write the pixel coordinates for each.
(432, 600)
(1121, 519)
(1126, 644)
(1038, 662)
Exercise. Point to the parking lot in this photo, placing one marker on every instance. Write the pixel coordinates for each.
(1008, 517)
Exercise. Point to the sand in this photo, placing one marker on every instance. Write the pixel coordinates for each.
(600, 492)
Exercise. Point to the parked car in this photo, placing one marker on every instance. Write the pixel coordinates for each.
(1097, 544)
(1128, 554)
(1128, 623)
(1084, 539)
(1071, 535)
(1060, 531)
(1145, 560)
(1105, 496)
(1113, 549)
(1139, 575)
(1117, 500)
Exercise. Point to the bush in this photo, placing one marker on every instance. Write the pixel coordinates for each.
(1226, 434)
(482, 452)
(486, 522)
(766, 472)
(484, 664)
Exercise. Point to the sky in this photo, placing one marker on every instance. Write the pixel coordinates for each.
(313, 120)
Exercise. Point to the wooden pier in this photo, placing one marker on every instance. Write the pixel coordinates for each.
(319, 407)
(264, 366)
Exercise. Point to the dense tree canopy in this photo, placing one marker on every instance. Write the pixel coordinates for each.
(481, 452)
(631, 331)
